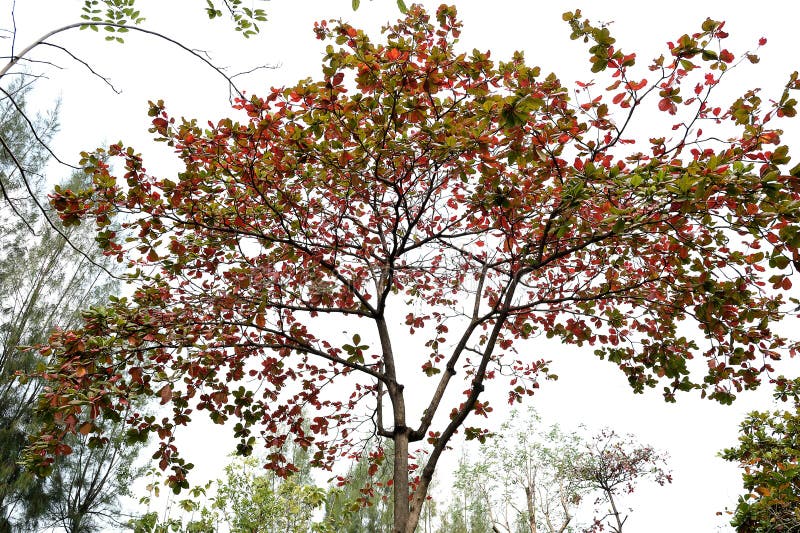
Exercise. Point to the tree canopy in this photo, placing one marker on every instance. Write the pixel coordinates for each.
(405, 222)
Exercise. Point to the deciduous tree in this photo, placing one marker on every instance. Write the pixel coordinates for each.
(403, 223)
(613, 465)
(527, 476)
(247, 500)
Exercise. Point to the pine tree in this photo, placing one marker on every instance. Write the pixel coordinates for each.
(44, 283)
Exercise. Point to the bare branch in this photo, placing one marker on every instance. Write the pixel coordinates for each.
(42, 40)
(106, 80)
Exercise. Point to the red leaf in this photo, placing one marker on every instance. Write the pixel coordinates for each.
(665, 104)
(160, 124)
(165, 393)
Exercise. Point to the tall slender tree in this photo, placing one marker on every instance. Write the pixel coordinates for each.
(86, 488)
(25, 273)
(362, 501)
(44, 284)
(526, 476)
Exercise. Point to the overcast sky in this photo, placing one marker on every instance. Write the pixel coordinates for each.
(589, 391)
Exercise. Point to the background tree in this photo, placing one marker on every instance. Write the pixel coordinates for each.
(87, 486)
(526, 476)
(361, 501)
(247, 500)
(43, 285)
(450, 200)
(530, 478)
(26, 312)
(769, 454)
(613, 465)
(467, 510)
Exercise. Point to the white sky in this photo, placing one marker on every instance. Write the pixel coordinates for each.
(589, 391)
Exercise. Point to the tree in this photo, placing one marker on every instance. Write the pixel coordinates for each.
(44, 284)
(88, 484)
(361, 501)
(526, 476)
(533, 479)
(768, 454)
(468, 510)
(453, 205)
(25, 311)
(614, 465)
(270, 504)
(246, 501)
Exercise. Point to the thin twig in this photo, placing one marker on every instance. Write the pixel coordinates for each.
(106, 80)
(14, 26)
(271, 67)
(33, 131)
(41, 61)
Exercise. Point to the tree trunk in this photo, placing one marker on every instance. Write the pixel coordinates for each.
(400, 481)
(529, 501)
(615, 512)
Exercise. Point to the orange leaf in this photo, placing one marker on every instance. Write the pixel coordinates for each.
(636, 86)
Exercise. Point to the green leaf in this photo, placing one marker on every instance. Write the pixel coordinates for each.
(709, 55)
(780, 261)
(402, 6)
(356, 3)
(430, 370)
(781, 155)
